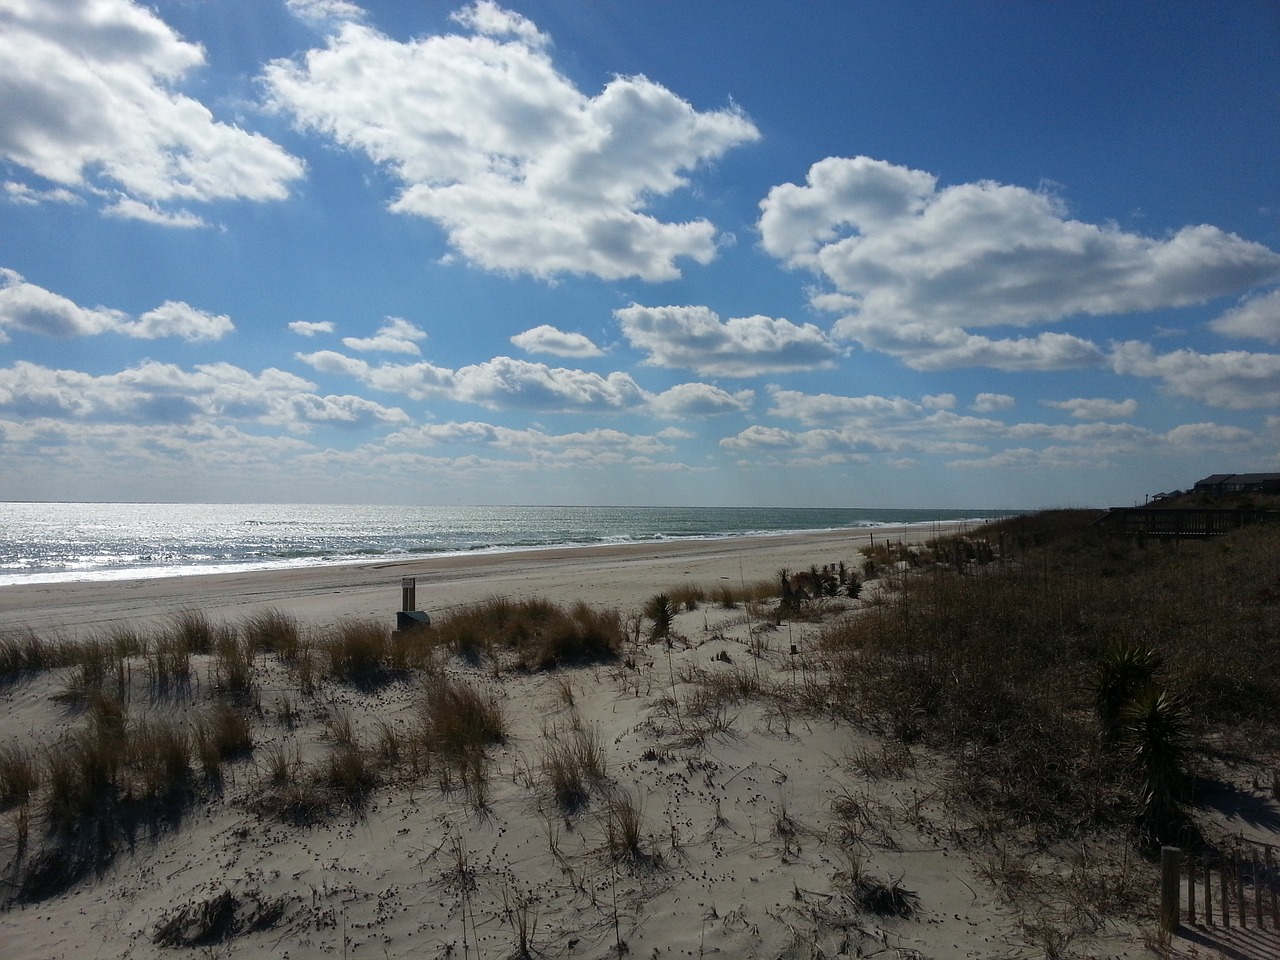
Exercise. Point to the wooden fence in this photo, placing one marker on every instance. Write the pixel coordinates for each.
(1241, 888)
(1176, 523)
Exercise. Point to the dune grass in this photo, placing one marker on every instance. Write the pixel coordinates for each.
(1027, 670)
(532, 634)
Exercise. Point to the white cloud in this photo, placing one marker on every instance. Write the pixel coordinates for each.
(309, 328)
(88, 92)
(173, 318)
(923, 347)
(940, 401)
(1255, 317)
(695, 338)
(486, 434)
(1197, 437)
(330, 361)
(161, 393)
(396, 335)
(25, 194)
(126, 208)
(522, 170)
(1235, 380)
(500, 383)
(504, 382)
(699, 400)
(548, 339)
(991, 402)
(1095, 408)
(916, 266)
(32, 309)
(324, 11)
(826, 408)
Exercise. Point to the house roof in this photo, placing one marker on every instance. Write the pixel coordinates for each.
(1239, 478)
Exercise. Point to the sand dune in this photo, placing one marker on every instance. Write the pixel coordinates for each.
(763, 828)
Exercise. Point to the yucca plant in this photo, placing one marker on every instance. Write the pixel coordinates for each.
(1125, 669)
(1156, 735)
(662, 612)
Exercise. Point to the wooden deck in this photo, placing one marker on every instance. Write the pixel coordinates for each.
(1175, 522)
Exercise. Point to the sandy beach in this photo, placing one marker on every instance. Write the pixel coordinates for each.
(619, 576)
(762, 828)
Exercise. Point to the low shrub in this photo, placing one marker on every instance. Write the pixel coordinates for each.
(358, 651)
(19, 775)
(273, 631)
(573, 762)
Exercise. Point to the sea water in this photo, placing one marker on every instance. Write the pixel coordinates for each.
(52, 542)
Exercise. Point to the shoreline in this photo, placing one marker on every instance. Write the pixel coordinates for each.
(616, 575)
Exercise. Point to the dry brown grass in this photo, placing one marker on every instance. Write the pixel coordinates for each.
(998, 666)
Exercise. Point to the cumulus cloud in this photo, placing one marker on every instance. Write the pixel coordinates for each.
(88, 89)
(915, 266)
(924, 347)
(1095, 408)
(27, 195)
(695, 338)
(504, 383)
(826, 408)
(991, 402)
(126, 208)
(523, 171)
(162, 393)
(853, 426)
(309, 328)
(699, 400)
(1236, 380)
(397, 335)
(33, 309)
(1257, 317)
(323, 11)
(547, 339)
(173, 318)
(598, 441)
(500, 383)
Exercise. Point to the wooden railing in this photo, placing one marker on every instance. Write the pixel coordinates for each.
(1240, 888)
(1176, 522)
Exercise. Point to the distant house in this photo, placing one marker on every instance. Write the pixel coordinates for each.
(1221, 483)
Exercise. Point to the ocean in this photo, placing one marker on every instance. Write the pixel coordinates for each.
(55, 542)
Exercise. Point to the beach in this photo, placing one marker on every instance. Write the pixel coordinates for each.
(622, 575)
(723, 812)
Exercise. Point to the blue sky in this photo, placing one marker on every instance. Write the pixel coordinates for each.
(1002, 255)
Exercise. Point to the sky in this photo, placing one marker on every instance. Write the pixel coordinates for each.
(852, 254)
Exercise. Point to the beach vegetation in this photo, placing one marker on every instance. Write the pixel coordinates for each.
(273, 631)
(168, 666)
(224, 733)
(661, 612)
(233, 666)
(624, 829)
(536, 633)
(23, 653)
(456, 725)
(194, 630)
(19, 775)
(573, 763)
(1032, 672)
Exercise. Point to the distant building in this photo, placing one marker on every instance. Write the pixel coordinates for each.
(1221, 483)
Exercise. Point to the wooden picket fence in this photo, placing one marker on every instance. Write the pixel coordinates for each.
(1240, 888)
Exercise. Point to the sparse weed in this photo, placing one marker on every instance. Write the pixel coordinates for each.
(572, 763)
(19, 776)
(273, 631)
(623, 827)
